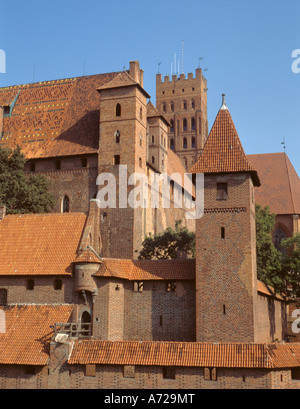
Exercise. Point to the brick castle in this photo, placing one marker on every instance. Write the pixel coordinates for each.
(78, 309)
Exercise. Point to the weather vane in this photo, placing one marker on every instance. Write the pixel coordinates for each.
(284, 144)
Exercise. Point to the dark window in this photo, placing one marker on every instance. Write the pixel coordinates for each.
(184, 105)
(164, 107)
(140, 162)
(193, 124)
(6, 110)
(58, 164)
(3, 296)
(153, 159)
(65, 205)
(296, 374)
(172, 125)
(117, 160)
(185, 124)
(169, 372)
(160, 321)
(279, 235)
(222, 191)
(83, 162)
(172, 106)
(118, 110)
(193, 104)
(57, 284)
(222, 233)
(172, 144)
(184, 143)
(193, 143)
(117, 136)
(153, 139)
(224, 309)
(30, 285)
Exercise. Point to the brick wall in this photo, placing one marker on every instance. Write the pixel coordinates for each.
(64, 376)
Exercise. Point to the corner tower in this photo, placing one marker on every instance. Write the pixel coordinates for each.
(226, 278)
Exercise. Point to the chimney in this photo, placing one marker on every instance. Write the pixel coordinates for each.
(134, 71)
(2, 212)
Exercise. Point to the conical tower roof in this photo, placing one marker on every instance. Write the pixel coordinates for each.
(223, 151)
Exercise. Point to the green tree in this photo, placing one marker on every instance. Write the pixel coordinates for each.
(18, 192)
(290, 270)
(268, 257)
(167, 244)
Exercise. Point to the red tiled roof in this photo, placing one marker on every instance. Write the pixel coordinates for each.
(28, 332)
(122, 79)
(267, 290)
(186, 354)
(280, 187)
(148, 269)
(54, 118)
(40, 244)
(223, 151)
(87, 256)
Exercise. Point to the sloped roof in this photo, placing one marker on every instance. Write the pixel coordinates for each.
(152, 112)
(40, 244)
(122, 79)
(186, 354)
(280, 187)
(28, 333)
(223, 151)
(88, 255)
(136, 270)
(53, 118)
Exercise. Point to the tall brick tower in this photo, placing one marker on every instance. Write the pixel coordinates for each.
(183, 102)
(123, 141)
(226, 279)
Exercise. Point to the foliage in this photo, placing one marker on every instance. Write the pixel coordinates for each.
(290, 270)
(167, 244)
(268, 257)
(18, 192)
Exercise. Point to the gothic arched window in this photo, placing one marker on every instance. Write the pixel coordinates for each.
(65, 206)
(118, 110)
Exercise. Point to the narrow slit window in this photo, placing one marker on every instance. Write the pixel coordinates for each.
(222, 233)
(30, 285)
(117, 160)
(118, 110)
(117, 136)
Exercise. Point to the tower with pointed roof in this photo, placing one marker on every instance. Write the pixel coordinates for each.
(226, 278)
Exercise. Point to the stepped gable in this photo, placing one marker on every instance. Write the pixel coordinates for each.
(280, 188)
(223, 151)
(53, 118)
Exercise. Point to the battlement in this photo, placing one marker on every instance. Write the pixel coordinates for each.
(182, 77)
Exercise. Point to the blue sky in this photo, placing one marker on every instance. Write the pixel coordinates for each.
(247, 48)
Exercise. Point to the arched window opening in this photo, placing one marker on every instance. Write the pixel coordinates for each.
(117, 136)
(86, 321)
(184, 105)
(193, 104)
(185, 124)
(153, 159)
(65, 204)
(172, 125)
(118, 110)
(164, 107)
(153, 139)
(172, 144)
(193, 142)
(279, 235)
(193, 124)
(184, 143)
(172, 106)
